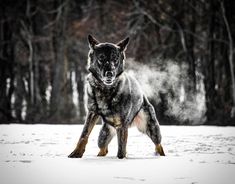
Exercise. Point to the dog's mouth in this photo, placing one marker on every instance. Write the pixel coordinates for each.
(108, 81)
(109, 78)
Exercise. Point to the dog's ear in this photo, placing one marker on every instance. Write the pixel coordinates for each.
(92, 41)
(123, 44)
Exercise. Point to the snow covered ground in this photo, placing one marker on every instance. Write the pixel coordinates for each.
(37, 154)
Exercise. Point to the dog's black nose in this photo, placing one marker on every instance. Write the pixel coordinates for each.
(109, 74)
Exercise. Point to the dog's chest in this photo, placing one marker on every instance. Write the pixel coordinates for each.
(106, 103)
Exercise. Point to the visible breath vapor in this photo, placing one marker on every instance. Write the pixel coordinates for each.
(170, 79)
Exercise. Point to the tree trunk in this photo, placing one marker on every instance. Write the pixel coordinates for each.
(190, 46)
(60, 66)
(209, 71)
(80, 87)
(230, 39)
(6, 69)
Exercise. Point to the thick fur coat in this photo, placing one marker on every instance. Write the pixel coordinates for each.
(117, 99)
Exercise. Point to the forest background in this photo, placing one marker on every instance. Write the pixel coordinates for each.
(182, 53)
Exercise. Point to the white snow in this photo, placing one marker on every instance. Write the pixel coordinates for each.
(37, 154)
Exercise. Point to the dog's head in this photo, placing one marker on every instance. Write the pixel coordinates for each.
(106, 60)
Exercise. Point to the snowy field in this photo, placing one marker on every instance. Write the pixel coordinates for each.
(37, 154)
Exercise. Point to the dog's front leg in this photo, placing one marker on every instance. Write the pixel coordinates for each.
(122, 134)
(91, 120)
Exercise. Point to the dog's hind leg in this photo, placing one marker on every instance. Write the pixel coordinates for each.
(107, 132)
(152, 127)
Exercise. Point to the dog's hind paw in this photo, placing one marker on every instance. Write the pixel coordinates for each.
(159, 149)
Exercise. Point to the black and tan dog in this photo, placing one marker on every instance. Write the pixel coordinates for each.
(117, 98)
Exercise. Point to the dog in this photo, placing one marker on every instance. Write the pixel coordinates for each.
(117, 98)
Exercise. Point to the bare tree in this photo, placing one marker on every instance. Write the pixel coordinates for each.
(230, 56)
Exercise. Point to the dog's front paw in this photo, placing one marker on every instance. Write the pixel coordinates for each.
(76, 154)
(103, 152)
(80, 149)
(121, 155)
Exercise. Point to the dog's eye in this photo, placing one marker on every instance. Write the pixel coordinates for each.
(116, 61)
(101, 58)
(114, 57)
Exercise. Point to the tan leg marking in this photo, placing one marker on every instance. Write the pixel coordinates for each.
(81, 145)
(159, 149)
(103, 152)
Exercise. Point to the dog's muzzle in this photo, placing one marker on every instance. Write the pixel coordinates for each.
(109, 77)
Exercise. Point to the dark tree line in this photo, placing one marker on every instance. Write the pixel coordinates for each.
(43, 52)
